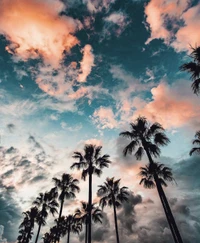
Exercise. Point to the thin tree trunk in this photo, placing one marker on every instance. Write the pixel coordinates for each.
(86, 231)
(170, 217)
(60, 214)
(38, 233)
(167, 214)
(115, 217)
(172, 220)
(90, 208)
(68, 234)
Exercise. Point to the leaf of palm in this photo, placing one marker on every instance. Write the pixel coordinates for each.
(130, 147)
(196, 86)
(139, 153)
(194, 151)
(161, 139)
(192, 68)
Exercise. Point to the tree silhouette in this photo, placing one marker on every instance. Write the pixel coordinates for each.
(147, 138)
(27, 225)
(111, 194)
(196, 141)
(91, 162)
(73, 224)
(68, 187)
(194, 69)
(83, 215)
(46, 202)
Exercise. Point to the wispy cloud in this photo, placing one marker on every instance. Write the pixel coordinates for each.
(184, 20)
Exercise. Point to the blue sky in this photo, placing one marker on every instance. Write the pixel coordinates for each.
(77, 72)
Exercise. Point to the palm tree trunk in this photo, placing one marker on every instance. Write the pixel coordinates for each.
(38, 233)
(90, 208)
(68, 234)
(169, 215)
(169, 212)
(166, 213)
(60, 214)
(86, 232)
(115, 217)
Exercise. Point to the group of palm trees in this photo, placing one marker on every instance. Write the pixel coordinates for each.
(144, 138)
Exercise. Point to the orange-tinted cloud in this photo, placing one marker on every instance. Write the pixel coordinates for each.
(86, 64)
(35, 29)
(170, 107)
(161, 12)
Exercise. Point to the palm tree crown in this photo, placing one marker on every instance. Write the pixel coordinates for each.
(146, 137)
(163, 173)
(194, 69)
(67, 185)
(91, 162)
(196, 141)
(110, 190)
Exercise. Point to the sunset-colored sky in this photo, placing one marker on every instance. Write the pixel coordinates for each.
(74, 72)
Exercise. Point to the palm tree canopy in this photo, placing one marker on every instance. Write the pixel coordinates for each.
(111, 190)
(144, 136)
(196, 141)
(46, 202)
(147, 173)
(83, 212)
(91, 161)
(67, 185)
(194, 69)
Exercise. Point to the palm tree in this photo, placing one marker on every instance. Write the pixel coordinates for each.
(111, 194)
(83, 215)
(46, 202)
(32, 215)
(68, 187)
(194, 69)
(196, 141)
(72, 225)
(91, 163)
(147, 138)
(22, 236)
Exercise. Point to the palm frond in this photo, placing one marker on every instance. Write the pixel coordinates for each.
(196, 85)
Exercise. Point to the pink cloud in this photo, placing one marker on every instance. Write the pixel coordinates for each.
(35, 29)
(180, 36)
(104, 118)
(86, 64)
(170, 107)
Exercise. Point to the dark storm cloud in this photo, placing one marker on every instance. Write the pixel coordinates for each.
(10, 213)
(127, 216)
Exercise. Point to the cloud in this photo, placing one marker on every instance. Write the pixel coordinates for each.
(169, 106)
(86, 64)
(176, 22)
(104, 118)
(95, 6)
(36, 29)
(116, 23)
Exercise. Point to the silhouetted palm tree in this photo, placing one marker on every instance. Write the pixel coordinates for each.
(196, 141)
(147, 138)
(22, 236)
(46, 202)
(68, 187)
(194, 69)
(83, 214)
(72, 225)
(111, 194)
(91, 162)
(32, 215)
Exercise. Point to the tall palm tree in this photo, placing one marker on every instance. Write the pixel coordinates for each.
(91, 162)
(196, 141)
(32, 215)
(111, 194)
(147, 138)
(46, 202)
(194, 69)
(68, 187)
(72, 225)
(83, 215)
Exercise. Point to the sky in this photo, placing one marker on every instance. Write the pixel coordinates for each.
(75, 72)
